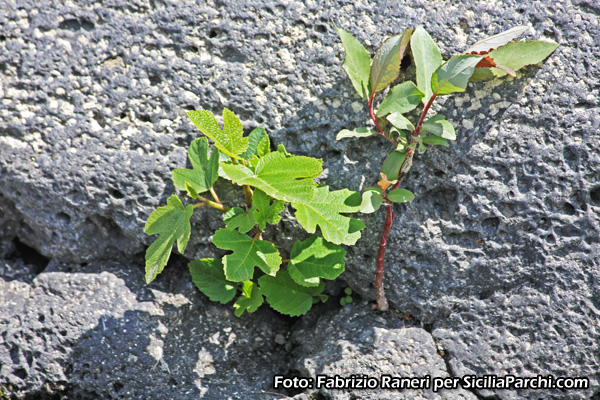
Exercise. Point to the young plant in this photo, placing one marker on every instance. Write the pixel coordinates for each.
(493, 57)
(269, 179)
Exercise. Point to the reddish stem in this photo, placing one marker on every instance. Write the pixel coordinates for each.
(374, 118)
(382, 303)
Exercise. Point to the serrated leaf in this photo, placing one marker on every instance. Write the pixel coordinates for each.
(324, 210)
(286, 296)
(401, 99)
(435, 141)
(263, 211)
(171, 223)
(258, 144)
(209, 278)
(205, 169)
(386, 62)
(391, 165)
(427, 58)
(284, 178)
(439, 126)
(400, 195)
(230, 140)
(490, 43)
(517, 55)
(371, 200)
(358, 132)
(250, 299)
(357, 63)
(247, 254)
(237, 218)
(313, 259)
(400, 121)
(453, 75)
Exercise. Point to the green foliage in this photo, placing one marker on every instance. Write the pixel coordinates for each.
(252, 270)
(491, 57)
(357, 63)
(386, 62)
(427, 58)
(205, 169)
(324, 210)
(171, 223)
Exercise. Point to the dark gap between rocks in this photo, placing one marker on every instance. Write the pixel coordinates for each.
(29, 256)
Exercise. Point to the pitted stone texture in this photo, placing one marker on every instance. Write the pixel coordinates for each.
(495, 337)
(100, 333)
(356, 341)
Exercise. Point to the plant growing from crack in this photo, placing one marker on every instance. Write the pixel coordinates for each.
(268, 180)
(490, 58)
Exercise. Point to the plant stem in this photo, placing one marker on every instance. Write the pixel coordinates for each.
(248, 195)
(374, 118)
(382, 302)
(211, 203)
(214, 195)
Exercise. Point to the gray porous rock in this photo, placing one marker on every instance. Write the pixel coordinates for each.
(499, 252)
(98, 332)
(356, 341)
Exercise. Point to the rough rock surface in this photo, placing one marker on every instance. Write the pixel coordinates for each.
(98, 332)
(356, 341)
(498, 254)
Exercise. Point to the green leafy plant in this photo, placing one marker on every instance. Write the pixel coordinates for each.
(493, 57)
(252, 271)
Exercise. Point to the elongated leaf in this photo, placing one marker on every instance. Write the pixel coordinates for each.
(493, 42)
(371, 200)
(427, 58)
(314, 259)
(453, 75)
(286, 296)
(171, 223)
(250, 299)
(324, 210)
(517, 55)
(435, 141)
(284, 178)
(209, 278)
(358, 132)
(205, 169)
(386, 62)
(247, 254)
(258, 144)
(401, 99)
(400, 195)
(237, 218)
(357, 63)
(400, 121)
(230, 140)
(263, 211)
(439, 126)
(391, 165)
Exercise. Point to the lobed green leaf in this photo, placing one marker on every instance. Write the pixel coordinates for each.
(209, 278)
(386, 62)
(357, 63)
(247, 254)
(237, 218)
(171, 223)
(284, 178)
(286, 296)
(259, 144)
(204, 172)
(230, 140)
(263, 211)
(427, 59)
(324, 210)
(315, 258)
